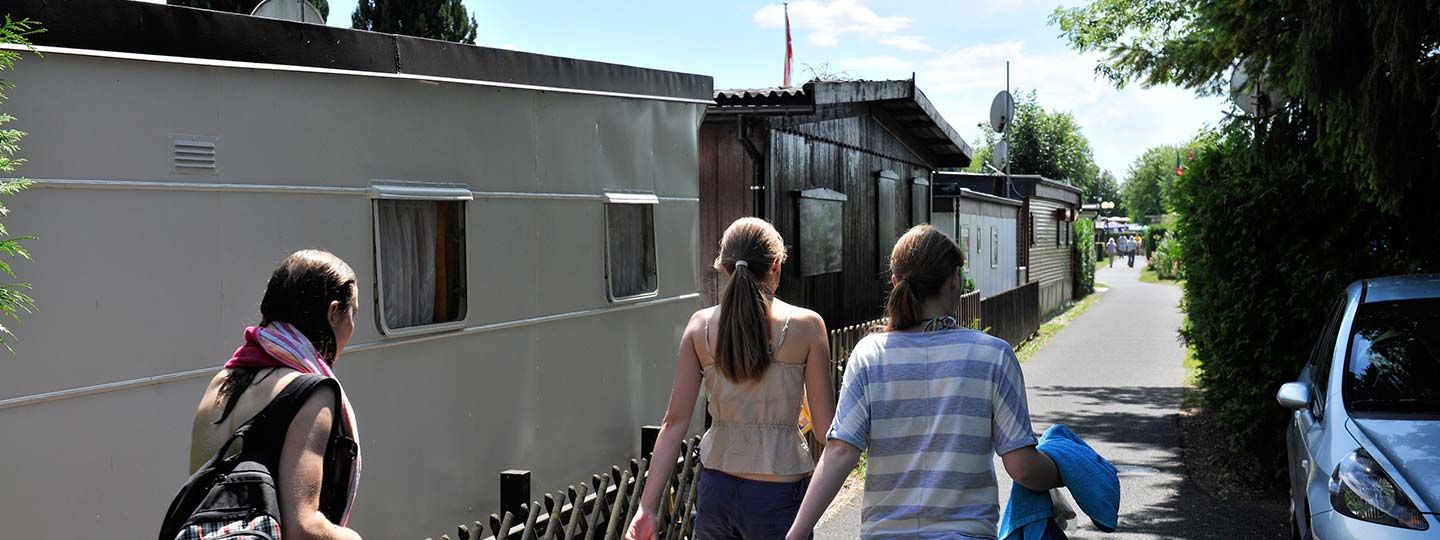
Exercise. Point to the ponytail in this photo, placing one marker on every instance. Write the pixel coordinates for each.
(742, 348)
(902, 309)
(749, 251)
(923, 261)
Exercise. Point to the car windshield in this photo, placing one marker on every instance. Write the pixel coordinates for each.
(1394, 364)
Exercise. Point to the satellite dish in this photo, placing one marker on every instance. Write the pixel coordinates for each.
(1000, 154)
(290, 10)
(1002, 110)
(1252, 94)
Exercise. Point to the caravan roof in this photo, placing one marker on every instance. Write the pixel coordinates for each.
(174, 31)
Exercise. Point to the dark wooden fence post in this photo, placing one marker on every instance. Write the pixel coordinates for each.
(514, 492)
(648, 434)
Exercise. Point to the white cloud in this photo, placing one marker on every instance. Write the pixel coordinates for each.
(825, 22)
(908, 42)
(1120, 124)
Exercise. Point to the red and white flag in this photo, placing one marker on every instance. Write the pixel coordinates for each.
(789, 53)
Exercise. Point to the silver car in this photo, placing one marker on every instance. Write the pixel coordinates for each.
(1364, 439)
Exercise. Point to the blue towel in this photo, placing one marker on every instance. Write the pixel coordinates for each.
(1090, 478)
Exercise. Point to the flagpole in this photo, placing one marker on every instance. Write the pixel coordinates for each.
(789, 53)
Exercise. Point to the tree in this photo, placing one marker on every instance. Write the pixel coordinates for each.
(444, 20)
(1107, 189)
(1047, 143)
(1331, 181)
(243, 7)
(13, 299)
(1149, 188)
(1364, 70)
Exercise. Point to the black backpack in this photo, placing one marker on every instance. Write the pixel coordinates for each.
(233, 496)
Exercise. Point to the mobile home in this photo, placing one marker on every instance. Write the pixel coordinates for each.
(841, 168)
(985, 227)
(178, 154)
(1044, 246)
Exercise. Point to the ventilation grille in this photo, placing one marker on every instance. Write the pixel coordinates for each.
(194, 155)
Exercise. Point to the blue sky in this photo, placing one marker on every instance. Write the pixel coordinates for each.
(957, 50)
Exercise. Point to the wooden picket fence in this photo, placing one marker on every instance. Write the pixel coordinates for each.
(602, 509)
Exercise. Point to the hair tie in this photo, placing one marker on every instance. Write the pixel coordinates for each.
(742, 263)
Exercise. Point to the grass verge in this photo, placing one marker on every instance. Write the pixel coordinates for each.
(1052, 326)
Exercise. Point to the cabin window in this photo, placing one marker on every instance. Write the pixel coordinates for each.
(822, 231)
(630, 270)
(965, 244)
(979, 239)
(1058, 225)
(994, 247)
(419, 257)
(919, 201)
(887, 221)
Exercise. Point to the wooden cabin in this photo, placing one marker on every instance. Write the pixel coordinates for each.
(178, 154)
(985, 227)
(841, 168)
(1044, 228)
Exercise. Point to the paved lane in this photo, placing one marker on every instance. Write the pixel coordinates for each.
(1115, 376)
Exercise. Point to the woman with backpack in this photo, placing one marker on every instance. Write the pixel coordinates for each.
(930, 401)
(278, 400)
(758, 358)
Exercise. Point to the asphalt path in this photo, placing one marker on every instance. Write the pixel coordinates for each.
(1115, 375)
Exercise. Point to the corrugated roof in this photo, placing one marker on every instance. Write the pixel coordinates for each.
(903, 102)
(774, 92)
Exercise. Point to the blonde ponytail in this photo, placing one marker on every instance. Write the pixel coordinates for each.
(749, 250)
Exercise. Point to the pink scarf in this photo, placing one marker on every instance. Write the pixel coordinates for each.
(282, 345)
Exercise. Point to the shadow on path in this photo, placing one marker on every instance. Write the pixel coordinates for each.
(1138, 425)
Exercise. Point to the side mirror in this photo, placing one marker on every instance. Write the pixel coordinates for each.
(1294, 396)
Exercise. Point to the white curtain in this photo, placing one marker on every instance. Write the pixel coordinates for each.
(407, 262)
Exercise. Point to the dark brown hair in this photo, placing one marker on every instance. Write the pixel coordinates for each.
(742, 347)
(300, 292)
(923, 260)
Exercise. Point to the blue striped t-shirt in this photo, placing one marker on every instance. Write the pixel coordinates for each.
(931, 408)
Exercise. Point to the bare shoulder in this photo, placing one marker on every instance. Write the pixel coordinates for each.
(802, 320)
(698, 320)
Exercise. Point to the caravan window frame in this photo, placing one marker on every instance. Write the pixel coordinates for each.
(425, 192)
(644, 199)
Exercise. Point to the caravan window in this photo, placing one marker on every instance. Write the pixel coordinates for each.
(630, 270)
(965, 244)
(994, 247)
(420, 259)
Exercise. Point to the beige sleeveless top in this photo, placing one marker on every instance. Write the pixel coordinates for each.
(754, 426)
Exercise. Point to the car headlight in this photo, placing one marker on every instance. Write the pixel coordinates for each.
(1359, 488)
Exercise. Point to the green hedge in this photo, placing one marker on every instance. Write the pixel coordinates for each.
(1271, 231)
(1084, 256)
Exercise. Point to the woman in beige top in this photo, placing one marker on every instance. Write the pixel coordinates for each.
(758, 358)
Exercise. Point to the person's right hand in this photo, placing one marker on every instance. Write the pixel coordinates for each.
(642, 527)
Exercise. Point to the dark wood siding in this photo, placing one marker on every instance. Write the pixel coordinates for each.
(842, 148)
(857, 293)
(726, 174)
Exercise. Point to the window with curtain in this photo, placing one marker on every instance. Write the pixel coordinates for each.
(420, 258)
(965, 244)
(630, 250)
(994, 247)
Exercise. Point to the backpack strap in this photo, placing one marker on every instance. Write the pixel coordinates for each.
(274, 420)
